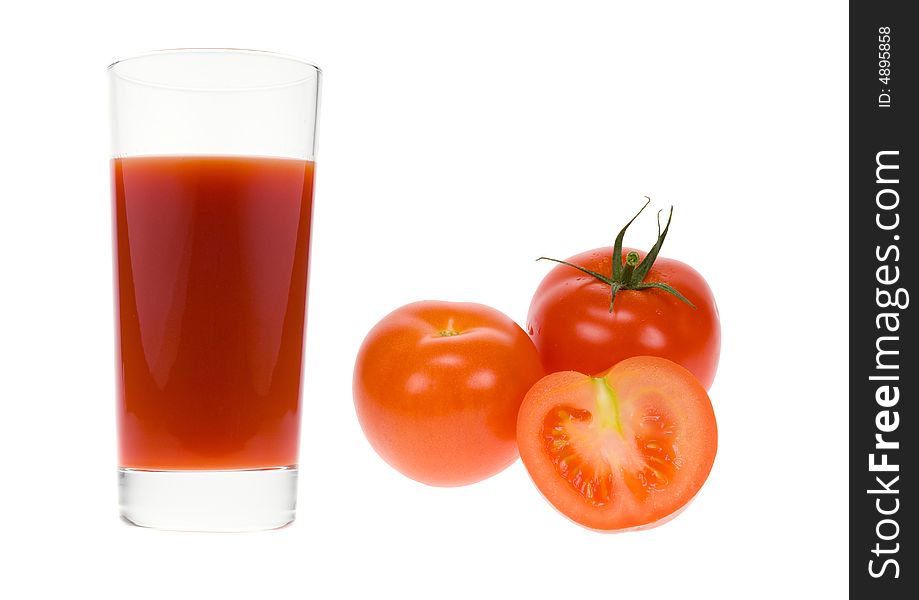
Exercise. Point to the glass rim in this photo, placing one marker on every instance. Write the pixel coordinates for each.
(315, 71)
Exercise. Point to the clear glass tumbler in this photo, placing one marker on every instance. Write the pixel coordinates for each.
(212, 186)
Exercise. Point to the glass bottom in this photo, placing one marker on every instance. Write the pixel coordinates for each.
(244, 500)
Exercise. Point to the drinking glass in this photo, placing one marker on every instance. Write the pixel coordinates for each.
(212, 186)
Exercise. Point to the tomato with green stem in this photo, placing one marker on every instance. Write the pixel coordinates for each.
(605, 305)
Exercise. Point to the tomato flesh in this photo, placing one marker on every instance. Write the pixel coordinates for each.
(622, 450)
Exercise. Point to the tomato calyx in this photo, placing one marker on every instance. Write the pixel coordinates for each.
(631, 275)
(449, 330)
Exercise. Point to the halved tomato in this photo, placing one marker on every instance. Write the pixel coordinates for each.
(626, 449)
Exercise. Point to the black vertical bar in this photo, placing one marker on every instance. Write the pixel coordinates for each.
(883, 365)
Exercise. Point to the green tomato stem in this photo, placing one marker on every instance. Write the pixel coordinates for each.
(632, 275)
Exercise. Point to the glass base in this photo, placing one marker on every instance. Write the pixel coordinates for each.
(244, 500)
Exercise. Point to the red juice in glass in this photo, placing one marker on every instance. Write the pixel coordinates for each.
(211, 274)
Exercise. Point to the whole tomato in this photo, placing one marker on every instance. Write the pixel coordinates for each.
(605, 305)
(437, 387)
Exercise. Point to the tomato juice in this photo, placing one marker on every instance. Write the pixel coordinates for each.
(211, 260)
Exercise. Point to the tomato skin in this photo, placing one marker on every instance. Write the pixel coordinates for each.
(646, 387)
(437, 387)
(570, 322)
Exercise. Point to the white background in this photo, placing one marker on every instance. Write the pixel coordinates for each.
(458, 141)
